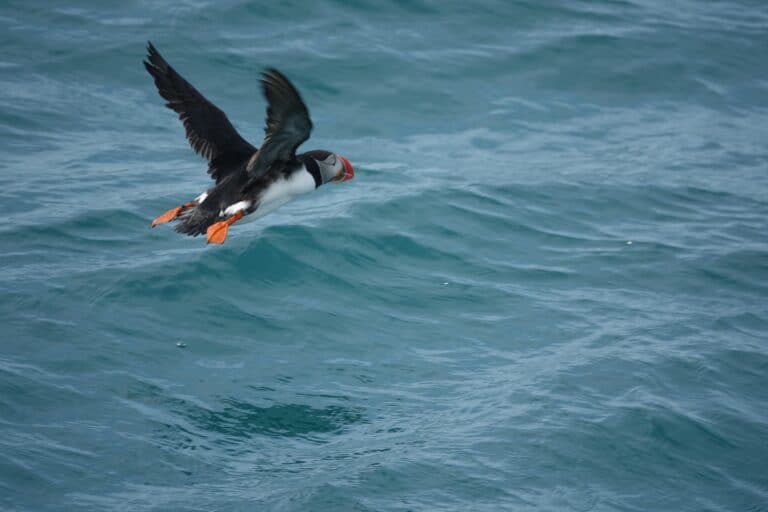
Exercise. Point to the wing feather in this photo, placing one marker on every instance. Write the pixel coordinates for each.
(209, 131)
(288, 123)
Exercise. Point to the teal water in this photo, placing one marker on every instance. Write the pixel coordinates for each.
(546, 289)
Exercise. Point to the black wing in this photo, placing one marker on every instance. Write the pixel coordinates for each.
(288, 123)
(208, 130)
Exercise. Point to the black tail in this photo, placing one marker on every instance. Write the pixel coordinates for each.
(195, 221)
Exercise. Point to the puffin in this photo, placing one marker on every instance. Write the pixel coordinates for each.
(249, 182)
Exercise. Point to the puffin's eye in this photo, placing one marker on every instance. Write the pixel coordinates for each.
(331, 160)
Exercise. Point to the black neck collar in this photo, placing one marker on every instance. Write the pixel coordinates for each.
(314, 170)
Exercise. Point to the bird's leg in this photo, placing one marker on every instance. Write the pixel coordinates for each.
(172, 213)
(217, 232)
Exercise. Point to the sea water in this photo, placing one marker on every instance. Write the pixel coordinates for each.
(545, 289)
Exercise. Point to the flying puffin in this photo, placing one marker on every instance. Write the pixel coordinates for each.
(249, 181)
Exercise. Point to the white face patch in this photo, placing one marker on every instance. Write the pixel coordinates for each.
(338, 168)
(331, 168)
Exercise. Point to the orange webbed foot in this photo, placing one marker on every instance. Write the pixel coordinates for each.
(217, 232)
(168, 216)
(172, 214)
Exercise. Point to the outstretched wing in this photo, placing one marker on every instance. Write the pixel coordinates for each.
(208, 130)
(288, 123)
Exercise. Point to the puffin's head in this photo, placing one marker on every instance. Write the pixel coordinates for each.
(333, 168)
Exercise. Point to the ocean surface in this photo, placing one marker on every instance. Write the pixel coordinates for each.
(545, 289)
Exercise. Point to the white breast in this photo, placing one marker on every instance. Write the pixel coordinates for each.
(277, 194)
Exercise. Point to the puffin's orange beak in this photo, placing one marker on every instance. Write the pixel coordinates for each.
(349, 171)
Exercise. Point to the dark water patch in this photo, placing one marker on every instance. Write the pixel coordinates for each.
(750, 323)
(738, 271)
(240, 427)
(243, 420)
